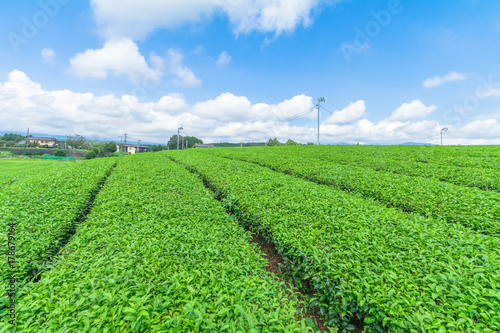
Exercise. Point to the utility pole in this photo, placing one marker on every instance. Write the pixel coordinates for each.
(27, 137)
(444, 129)
(321, 99)
(178, 130)
(138, 142)
(125, 138)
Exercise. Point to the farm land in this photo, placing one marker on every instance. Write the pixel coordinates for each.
(255, 239)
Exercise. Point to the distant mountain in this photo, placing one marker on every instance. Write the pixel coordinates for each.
(225, 144)
(341, 144)
(58, 137)
(417, 144)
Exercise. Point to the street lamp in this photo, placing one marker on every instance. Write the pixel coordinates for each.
(444, 129)
(178, 130)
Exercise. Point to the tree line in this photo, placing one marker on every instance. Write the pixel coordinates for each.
(290, 142)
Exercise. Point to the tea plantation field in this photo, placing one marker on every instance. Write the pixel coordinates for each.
(369, 239)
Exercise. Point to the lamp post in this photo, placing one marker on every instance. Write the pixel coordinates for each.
(444, 129)
(178, 130)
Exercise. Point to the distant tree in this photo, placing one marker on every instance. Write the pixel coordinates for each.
(109, 147)
(273, 142)
(290, 142)
(90, 155)
(76, 141)
(155, 148)
(172, 142)
(310, 143)
(191, 141)
(12, 137)
(4, 143)
(60, 153)
(105, 149)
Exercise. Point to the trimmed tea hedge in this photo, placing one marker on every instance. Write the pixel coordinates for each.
(427, 162)
(395, 271)
(44, 206)
(474, 208)
(158, 254)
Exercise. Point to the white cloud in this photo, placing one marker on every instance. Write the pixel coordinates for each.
(137, 18)
(183, 75)
(118, 57)
(173, 103)
(415, 109)
(228, 107)
(48, 55)
(270, 15)
(224, 118)
(488, 129)
(224, 59)
(350, 113)
(437, 81)
(122, 57)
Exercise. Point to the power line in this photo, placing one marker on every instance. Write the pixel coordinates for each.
(280, 122)
(298, 115)
(433, 138)
(352, 124)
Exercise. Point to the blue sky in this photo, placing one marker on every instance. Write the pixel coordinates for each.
(231, 70)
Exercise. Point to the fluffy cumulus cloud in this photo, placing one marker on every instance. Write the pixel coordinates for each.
(121, 57)
(440, 80)
(137, 18)
(489, 129)
(118, 57)
(386, 131)
(225, 118)
(415, 109)
(269, 15)
(182, 74)
(123, 22)
(353, 112)
(230, 108)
